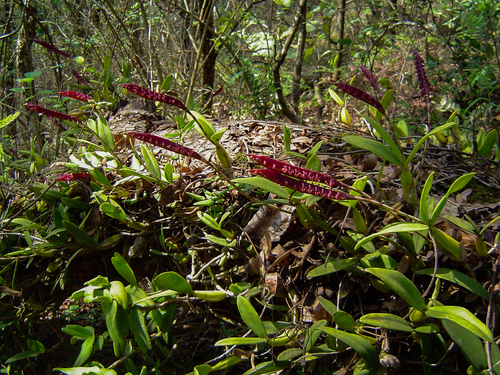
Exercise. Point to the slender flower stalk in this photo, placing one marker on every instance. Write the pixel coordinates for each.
(361, 95)
(297, 172)
(371, 79)
(166, 144)
(153, 95)
(76, 95)
(79, 78)
(50, 113)
(74, 177)
(52, 48)
(422, 79)
(300, 186)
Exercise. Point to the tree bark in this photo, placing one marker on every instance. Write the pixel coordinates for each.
(340, 46)
(209, 53)
(297, 72)
(278, 62)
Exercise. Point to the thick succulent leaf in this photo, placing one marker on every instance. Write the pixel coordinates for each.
(361, 345)
(401, 285)
(388, 321)
(250, 317)
(463, 317)
(458, 278)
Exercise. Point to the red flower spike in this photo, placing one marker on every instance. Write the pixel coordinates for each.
(153, 95)
(371, 79)
(79, 78)
(50, 113)
(166, 144)
(300, 186)
(74, 177)
(219, 90)
(422, 79)
(52, 48)
(297, 172)
(361, 95)
(76, 95)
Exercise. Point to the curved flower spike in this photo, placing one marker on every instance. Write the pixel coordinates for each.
(153, 95)
(76, 95)
(52, 48)
(361, 95)
(50, 113)
(74, 177)
(422, 79)
(166, 144)
(297, 172)
(371, 79)
(300, 186)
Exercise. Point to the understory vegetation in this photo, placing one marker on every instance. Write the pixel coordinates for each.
(266, 187)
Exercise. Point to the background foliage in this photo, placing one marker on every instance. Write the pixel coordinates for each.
(152, 258)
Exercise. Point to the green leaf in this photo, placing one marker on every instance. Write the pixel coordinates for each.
(462, 317)
(123, 269)
(173, 281)
(374, 146)
(378, 260)
(85, 351)
(424, 138)
(336, 97)
(329, 306)
(35, 348)
(458, 278)
(208, 220)
(448, 245)
(94, 370)
(360, 345)
(210, 295)
(344, 320)
(269, 367)
(104, 132)
(457, 185)
(9, 119)
(488, 144)
(290, 354)
(78, 331)
(393, 228)
(263, 183)
(113, 210)
(230, 341)
(227, 362)
(250, 317)
(424, 210)
(139, 329)
(79, 234)
(150, 162)
(470, 345)
(313, 334)
(388, 321)
(203, 126)
(202, 370)
(387, 99)
(387, 138)
(167, 82)
(332, 266)
(463, 224)
(400, 284)
(217, 136)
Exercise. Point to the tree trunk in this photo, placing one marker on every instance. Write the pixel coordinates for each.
(301, 42)
(209, 53)
(278, 62)
(340, 46)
